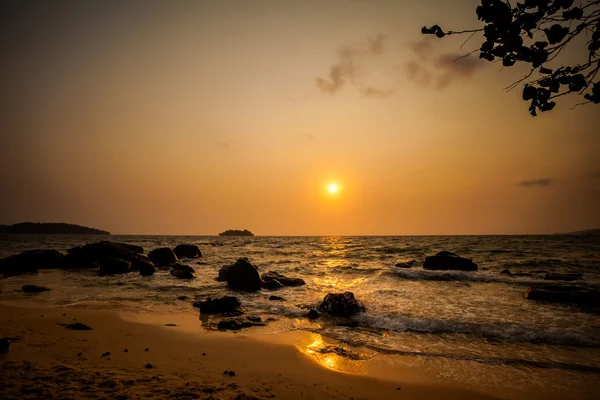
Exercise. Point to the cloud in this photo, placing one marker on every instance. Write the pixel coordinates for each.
(454, 67)
(374, 92)
(423, 48)
(439, 71)
(345, 70)
(542, 182)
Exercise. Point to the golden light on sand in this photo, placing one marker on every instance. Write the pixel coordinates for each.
(333, 188)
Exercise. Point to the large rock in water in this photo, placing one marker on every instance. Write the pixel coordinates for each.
(341, 305)
(284, 280)
(30, 261)
(237, 324)
(163, 256)
(555, 276)
(243, 275)
(225, 305)
(183, 271)
(113, 266)
(223, 273)
(87, 256)
(564, 294)
(187, 251)
(272, 284)
(34, 289)
(445, 260)
(143, 264)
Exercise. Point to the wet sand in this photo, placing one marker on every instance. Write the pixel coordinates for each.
(47, 360)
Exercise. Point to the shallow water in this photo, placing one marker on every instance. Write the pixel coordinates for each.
(478, 316)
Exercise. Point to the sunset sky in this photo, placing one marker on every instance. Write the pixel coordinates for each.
(159, 117)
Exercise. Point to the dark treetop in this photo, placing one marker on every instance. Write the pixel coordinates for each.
(50, 229)
(235, 232)
(535, 32)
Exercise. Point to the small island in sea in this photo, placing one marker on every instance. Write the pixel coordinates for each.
(236, 232)
(41, 228)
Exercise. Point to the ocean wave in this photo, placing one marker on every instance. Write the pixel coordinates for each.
(421, 274)
(397, 250)
(495, 332)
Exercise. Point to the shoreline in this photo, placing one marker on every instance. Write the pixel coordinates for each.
(44, 361)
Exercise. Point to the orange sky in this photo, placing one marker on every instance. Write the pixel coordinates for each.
(196, 117)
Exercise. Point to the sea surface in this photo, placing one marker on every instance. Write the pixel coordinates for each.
(480, 316)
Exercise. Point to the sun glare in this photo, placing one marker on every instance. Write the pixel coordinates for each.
(333, 188)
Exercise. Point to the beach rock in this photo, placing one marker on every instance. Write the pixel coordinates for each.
(243, 275)
(564, 294)
(223, 273)
(187, 251)
(4, 345)
(284, 280)
(348, 324)
(406, 264)
(272, 284)
(236, 324)
(78, 326)
(183, 271)
(276, 298)
(555, 276)
(224, 305)
(146, 268)
(505, 272)
(163, 256)
(445, 260)
(87, 256)
(113, 266)
(30, 261)
(341, 304)
(34, 289)
(312, 314)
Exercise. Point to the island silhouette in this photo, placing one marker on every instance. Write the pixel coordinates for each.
(236, 232)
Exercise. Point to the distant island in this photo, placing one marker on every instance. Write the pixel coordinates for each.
(50, 229)
(586, 232)
(235, 232)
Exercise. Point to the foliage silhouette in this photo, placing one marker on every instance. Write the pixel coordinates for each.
(536, 32)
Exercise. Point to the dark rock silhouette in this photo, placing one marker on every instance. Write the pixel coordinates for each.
(34, 289)
(49, 229)
(564, 294)
(243, 275)
(87, 256)
(187, 251)
(113, 266)
(143, 264)
(235, 324)
(183, 271)
(235, 232)
(312, 314)
(272, 284)
(223, 273)
(341, 305)
(555, 276)
(78, 326)
(276, 298)
(348, 324)
(30, 261)
(163, 256)
(407, 264)
(225, 305)
(446, 260)
(284, 280)
(4, 345)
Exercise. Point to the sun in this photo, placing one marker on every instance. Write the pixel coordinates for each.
(333, 188)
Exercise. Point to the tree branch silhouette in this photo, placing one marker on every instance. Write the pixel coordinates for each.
(536, 32)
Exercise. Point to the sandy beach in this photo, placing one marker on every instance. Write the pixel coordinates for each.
(127, 360)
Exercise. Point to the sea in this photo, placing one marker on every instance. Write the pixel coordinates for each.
(481, 317)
